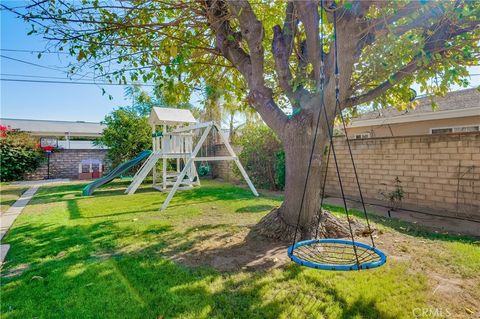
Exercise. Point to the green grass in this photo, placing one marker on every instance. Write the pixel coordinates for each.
(108, 256)
(9, 194)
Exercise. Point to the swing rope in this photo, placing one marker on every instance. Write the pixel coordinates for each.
(314, 137)
(333, 254)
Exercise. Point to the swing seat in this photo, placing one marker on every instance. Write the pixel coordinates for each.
(336, 254)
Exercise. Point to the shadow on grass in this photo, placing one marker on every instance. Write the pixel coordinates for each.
(198, 195)
(75, 212)
(255, 208)
(77, 271)
(73, 209)
(8, 203)
(64, 193)
(13, 191)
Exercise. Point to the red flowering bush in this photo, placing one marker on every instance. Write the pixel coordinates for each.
(3, 130)
(19, 154)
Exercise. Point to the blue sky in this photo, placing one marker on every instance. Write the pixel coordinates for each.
(45, 100)
(52, 100)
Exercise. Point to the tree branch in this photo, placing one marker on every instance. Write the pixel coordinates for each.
(440, 32)
(252, 31)
(381, 24)
(308, 14)
(282, 47)
(250, 66)
(436, 46)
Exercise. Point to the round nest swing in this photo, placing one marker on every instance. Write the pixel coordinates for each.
(336, 254)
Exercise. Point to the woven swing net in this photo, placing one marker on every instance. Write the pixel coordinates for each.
(334, 254)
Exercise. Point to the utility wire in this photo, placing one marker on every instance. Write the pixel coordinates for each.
(30, 63)
(73, 82)
(34, 51)
(35, 76)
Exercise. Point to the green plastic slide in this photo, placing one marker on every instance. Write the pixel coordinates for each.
(116, 172)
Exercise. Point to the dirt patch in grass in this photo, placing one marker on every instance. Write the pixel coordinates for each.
(16, 271)
(449, 289)
(235, 250)
(230, 252)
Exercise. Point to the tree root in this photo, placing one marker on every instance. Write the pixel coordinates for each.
(274, 226)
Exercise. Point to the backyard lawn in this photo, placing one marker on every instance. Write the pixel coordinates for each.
(117, 256)
(9, 194)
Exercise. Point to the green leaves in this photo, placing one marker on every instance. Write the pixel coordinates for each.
(126, 135)
(32, 31)
(173, 51)
(169, 44)
(81, 55)
(262, 156)
(19, 155)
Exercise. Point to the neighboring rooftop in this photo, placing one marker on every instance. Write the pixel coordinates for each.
(170, 116)
(455, 104)
(55, 128)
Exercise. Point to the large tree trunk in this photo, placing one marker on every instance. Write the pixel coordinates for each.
(281, 223)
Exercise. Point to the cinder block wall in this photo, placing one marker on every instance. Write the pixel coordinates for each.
(224, 169)
(438, 173)
(64, 163)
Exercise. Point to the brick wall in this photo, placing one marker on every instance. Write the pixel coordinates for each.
(439, 173)
(64, 163)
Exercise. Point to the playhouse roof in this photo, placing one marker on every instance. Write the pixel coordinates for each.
(170, 116)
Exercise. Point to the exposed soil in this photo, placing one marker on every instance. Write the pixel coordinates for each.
(242, 251)
(229, 252)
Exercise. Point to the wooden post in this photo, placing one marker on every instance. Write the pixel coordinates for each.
(164, 163)
(187, 166)
(154, 149)
(239, 165)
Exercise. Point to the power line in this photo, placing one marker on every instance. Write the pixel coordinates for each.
(35, 76)
(74, 82)
(30, 63)
(34, 51)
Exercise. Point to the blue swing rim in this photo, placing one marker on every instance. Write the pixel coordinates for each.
(306, 263)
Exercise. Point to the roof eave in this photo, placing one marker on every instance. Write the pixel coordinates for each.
(439, 115)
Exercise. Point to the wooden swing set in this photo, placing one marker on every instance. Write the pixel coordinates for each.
(176, 142)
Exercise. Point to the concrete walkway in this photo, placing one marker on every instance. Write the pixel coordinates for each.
(8, 218)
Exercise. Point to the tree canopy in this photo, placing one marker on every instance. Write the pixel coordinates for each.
(272, 55)
(270, 47)
(127, 133)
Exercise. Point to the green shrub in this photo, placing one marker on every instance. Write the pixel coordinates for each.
(19, 154)
(126, 135)
(262, 156)
(280, 169)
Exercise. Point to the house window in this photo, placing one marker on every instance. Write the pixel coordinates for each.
(473, 128)
(455, 129)
(442, 130)
(361, 135)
